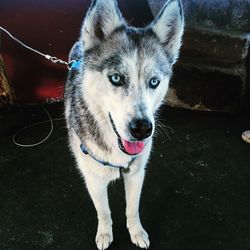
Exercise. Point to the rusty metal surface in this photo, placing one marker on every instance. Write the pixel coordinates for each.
(6, 91)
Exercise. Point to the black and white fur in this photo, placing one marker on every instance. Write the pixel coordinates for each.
(108, 45)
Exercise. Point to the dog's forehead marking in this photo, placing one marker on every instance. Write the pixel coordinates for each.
(135, 53)
(142, 48)
(141, 66)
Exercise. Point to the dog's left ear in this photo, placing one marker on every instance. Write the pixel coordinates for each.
(169, 26)
(101, 20)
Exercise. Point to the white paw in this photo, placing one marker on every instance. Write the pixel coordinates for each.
(139, 236)
(104, 237)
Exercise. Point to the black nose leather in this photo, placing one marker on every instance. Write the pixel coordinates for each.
(140, 128)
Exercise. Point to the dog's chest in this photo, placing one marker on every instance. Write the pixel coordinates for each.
(88, 165)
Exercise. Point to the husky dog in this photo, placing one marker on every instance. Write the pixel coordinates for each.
(118, 78)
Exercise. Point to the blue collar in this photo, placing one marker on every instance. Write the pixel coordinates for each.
(74, 65)
(105, 163)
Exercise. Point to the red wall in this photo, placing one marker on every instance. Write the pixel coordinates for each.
(51, 27)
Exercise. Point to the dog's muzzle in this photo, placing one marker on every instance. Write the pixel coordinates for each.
(128, 147)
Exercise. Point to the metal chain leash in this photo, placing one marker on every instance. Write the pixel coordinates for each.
(53, 59)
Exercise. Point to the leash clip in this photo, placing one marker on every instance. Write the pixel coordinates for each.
(54, 59)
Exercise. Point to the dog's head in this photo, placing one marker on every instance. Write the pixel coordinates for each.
(127, 70)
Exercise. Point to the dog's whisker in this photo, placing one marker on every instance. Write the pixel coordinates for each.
(162, 130)
(162, 121)
(158, 132)
(164, 125)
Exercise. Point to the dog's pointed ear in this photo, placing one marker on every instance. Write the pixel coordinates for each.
(101, 20)
(169, 26)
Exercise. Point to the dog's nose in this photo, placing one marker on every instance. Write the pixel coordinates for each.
(140, 128)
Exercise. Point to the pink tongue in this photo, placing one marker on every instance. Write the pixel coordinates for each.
(133, 148)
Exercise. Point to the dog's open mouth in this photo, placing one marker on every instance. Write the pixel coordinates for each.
(132, 148)
(128, 147)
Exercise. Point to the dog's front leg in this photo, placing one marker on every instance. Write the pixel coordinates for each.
(133, 186)
(97, 188)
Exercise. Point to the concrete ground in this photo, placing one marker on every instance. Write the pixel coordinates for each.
(196, 194)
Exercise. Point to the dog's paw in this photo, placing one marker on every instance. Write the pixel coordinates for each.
(104, 237)
(139, 236)
(103, 241)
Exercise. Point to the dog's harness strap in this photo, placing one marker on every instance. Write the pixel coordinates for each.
(105, 163)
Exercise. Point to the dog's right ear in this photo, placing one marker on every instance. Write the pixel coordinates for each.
(101, 20)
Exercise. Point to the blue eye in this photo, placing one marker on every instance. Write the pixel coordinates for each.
(154, 82)
(116, 80)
